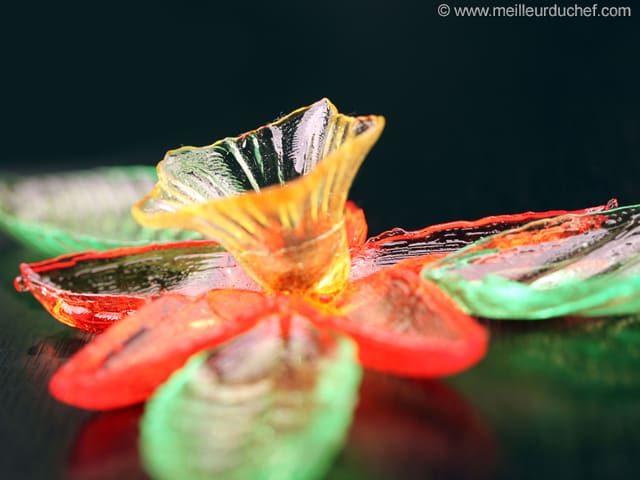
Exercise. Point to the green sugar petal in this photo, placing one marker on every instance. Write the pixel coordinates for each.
(69, 212)
(570, 265)
(262, 426)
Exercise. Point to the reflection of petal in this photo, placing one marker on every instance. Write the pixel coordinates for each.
(606, 348)
(62, 213)
(61, 345)
(275, 402)
(573, 264)
(106, 447)
(407, 429)
(93, 290)
(435, 241)
(126, 363)
(407, 326)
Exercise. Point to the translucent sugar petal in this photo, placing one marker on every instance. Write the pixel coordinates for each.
(407, 326)
(273, 403)
(69, 212)
(570, 265)
(436, 241)
(126, 363)
(93, 290)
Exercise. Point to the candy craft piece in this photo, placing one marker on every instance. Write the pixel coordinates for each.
(62, 213)
(287, 296)
(92, 291)
(279, 193)
(274, 403)
(273, 197)
(569, 265)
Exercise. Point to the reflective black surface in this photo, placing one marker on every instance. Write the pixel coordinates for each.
(554, 398)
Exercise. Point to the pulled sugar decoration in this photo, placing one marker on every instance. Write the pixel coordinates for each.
(275, 312)
(276, 200)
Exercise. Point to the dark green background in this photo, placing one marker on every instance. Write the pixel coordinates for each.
(484, 116)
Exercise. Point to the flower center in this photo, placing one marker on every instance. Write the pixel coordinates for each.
(273, 197)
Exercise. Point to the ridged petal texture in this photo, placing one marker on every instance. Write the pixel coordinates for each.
(126, 363)
(274, 403)
(92, 290)
(86, 210)
(570, 265)
(402, 324)
(273, 197)
(431, 243)
(406, 326)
